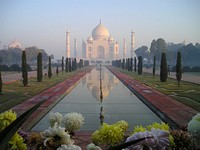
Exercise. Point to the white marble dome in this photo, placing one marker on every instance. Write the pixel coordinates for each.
(100, 32)
(15, 44)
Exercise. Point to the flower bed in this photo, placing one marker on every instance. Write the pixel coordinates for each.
(56, 137)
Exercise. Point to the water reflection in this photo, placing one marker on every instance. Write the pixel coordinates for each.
(100, 82)
(101, 97)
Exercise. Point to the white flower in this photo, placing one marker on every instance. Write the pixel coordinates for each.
(55, 117)
(92, 146)
(56, 133)
(69, 147)
(159, 139)
(194, 126)
(73, 121)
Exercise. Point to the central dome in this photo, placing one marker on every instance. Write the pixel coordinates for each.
(100, 32)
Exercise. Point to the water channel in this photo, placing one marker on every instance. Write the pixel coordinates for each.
(114, 101)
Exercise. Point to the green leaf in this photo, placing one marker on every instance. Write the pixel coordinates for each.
(9, 131)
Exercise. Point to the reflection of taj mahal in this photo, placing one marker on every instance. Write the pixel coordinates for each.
(93, 82)
(100, 45)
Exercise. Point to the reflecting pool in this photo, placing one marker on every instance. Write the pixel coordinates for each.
(100, 93)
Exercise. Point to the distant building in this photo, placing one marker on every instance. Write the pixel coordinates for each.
(100, 45)
(15, 44)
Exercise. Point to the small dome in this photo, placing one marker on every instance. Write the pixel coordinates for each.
(15, 44)
(111, 38)
(90, 39)
(100, 32)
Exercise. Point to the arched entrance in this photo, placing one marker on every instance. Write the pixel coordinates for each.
(100, 52)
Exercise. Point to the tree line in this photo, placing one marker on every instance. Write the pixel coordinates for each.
(13, 56)
(190, 53)
(70, 65)
(137, 65)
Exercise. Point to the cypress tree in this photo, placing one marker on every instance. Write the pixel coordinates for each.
(140, 65)
(120, 63)
(75, 63)
(62, 64)
(163, 68)
(67, 65)
(70, 66)
(49, 68)
(154, 65)
(128, 63)
(178, 68)
(81, 63)
(39, 67)
(131, 65)
(57, 71)
(123, 64)
(24, 69)
(0, 80)
(135, 61)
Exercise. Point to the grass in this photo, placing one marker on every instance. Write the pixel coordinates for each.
(187, 93)
(16, 93)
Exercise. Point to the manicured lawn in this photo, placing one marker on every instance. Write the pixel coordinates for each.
(187, 93)
(15, 93)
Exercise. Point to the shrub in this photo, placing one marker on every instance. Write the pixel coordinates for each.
(194, 126)
(195, 69)
(24, 69)
(15, 67)
(39, 67)
(108, 135)
(186, 69)
(4, 68)
(178, 68)
(49, 69)
(163, 68)
(135, 63)
(140, 65)
(67, 65)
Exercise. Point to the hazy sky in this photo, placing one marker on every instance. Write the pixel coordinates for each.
(43, 23)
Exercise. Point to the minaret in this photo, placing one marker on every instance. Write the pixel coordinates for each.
(132, 45)
(67, 44)
(75, 48)
(124, 49)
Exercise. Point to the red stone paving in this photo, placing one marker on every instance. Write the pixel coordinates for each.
(177, 112)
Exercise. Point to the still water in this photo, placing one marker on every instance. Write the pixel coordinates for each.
(116, 102)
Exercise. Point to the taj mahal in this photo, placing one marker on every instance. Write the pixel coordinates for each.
(100, 45)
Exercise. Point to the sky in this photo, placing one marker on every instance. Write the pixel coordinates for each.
(43, 23)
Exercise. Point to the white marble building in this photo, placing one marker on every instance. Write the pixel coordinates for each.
(100, 46)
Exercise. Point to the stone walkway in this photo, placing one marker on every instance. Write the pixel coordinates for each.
(167, 108)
